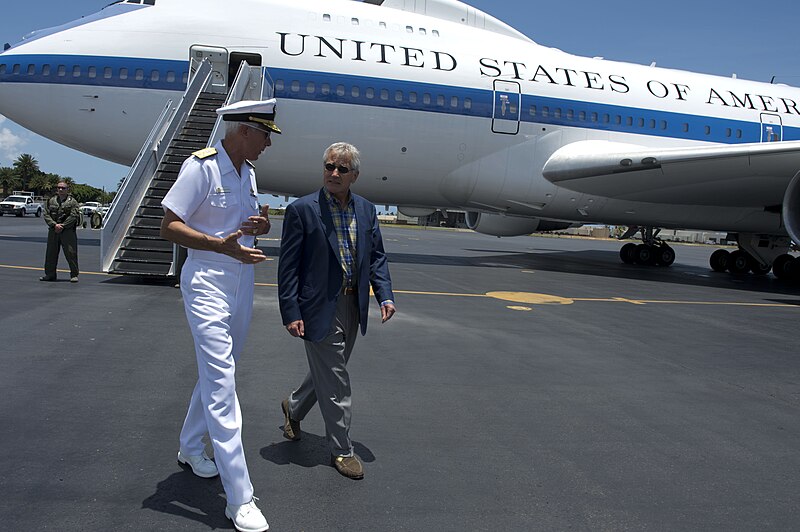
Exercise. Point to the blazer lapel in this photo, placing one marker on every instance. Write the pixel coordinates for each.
(324, 213)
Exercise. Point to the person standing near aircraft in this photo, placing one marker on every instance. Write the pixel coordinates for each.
(61, 216)
(212, 209)
(331, 252)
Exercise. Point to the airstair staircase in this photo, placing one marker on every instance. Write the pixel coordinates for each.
(130, 242)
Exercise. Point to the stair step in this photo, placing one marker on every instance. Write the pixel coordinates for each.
(140, 222)
(144, 232)
(140, 268)
(147, 244)
(140, 255)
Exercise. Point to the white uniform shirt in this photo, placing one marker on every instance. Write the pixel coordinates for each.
(210, 197)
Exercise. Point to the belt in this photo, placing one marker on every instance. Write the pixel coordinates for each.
(348, 290)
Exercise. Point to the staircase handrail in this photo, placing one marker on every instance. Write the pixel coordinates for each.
(129, 197)
(248, 85)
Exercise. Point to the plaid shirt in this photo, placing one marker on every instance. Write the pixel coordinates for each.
(344, 220)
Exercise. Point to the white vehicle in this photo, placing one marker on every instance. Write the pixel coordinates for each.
(89, 207)
(20, 205)
(451, 108)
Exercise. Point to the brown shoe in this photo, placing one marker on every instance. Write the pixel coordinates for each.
(291, 428)
(349, 466)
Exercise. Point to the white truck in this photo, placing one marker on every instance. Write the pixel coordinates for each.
(21, 203)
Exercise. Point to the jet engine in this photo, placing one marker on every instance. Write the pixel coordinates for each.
(502, 225)
(791, 209)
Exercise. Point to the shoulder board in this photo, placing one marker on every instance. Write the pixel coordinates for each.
(205, 152)
(251, 165)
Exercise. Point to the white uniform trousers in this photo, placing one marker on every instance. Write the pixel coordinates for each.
(218, 298)
(328, 381)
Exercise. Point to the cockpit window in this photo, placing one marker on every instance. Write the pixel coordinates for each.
(145, 2)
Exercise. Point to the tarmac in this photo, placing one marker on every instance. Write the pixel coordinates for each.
(525, 383)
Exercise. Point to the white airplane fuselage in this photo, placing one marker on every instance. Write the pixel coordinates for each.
(446, 114)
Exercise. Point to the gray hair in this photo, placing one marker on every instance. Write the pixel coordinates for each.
(344, 150)
(232, 127)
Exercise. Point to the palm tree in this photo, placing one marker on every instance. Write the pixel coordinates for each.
(44, 183)
(8, 180)
(26, 168)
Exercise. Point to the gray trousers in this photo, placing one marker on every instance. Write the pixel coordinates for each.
(66, 239)
(328, 382)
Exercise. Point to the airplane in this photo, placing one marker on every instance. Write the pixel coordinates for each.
(452, 109)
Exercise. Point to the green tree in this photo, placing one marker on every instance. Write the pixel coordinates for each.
(8, 180)
(83, 193)
(26, 168)
(44, 184)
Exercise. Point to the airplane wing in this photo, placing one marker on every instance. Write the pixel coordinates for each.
(738, 175)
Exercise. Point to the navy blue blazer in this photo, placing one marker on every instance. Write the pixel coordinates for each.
(310, 271)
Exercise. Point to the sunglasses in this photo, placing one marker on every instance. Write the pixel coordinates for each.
(331, 167)
(61, 188)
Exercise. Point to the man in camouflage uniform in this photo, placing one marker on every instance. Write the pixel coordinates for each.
(61, 214)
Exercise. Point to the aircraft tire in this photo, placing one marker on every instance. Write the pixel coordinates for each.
(757, 268)
(643, 254)
(738, 262)
(626, 253)
(665, 255)
(719, 260)
(784, 266)
(96, 220)
(38, 213)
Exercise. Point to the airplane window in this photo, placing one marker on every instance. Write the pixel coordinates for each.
(422, 31)
(149, 2)
(295, 86)
(663, 124)
(279, 85)
(170, 76)
(31, 70)
(440, 100)
(618, 119)
(582, 116)
(384, 94)
(409, 29)
(738, 133)
(326, 17)
(557, 112)
(728, 132)
(570, 114)
(382, 25)
(467, 104)
(185, 77)
(594, 117)
(107, 72)
(435, 33)
(123, 73)
(139, 75)
(531, 111)
(652, 123)
(325, 89)
(398, 96)
(76, 71)
(355, 92)
(640, 122)
(426, 99)
(412, 97)
(606, 118)
(154, 75)
(354, 21)
(454, 102)
(339, 90)
(685, 127)
(3, 69)
(15, 70)
(369, 93)
(708, 130)
(629, 120)
(92, 72)
(45, 70)
(310, 87)
(545, 111)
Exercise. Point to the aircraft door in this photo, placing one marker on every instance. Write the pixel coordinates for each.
(507, 107)
(218, 57)
(771, 128)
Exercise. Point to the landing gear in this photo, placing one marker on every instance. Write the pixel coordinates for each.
(758, 254)
(653, 251)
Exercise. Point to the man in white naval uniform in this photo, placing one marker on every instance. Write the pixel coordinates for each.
(212, 209)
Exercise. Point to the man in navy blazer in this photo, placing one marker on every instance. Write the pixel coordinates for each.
(331, 253)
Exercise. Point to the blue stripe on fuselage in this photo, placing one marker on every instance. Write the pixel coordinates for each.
(147, 73)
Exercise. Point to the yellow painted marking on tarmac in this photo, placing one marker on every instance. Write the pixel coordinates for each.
(530, 297)
(516, 297)
(522, 309)
(527, 271)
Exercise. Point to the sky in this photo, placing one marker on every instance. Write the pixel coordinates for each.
(753, 40)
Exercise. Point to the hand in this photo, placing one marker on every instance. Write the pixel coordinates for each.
(230, 246)
(296, 328)
(387, 311)
(59, 228)
(257, 225)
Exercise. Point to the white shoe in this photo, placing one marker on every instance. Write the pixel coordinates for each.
(201, 465)
(246, 517)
